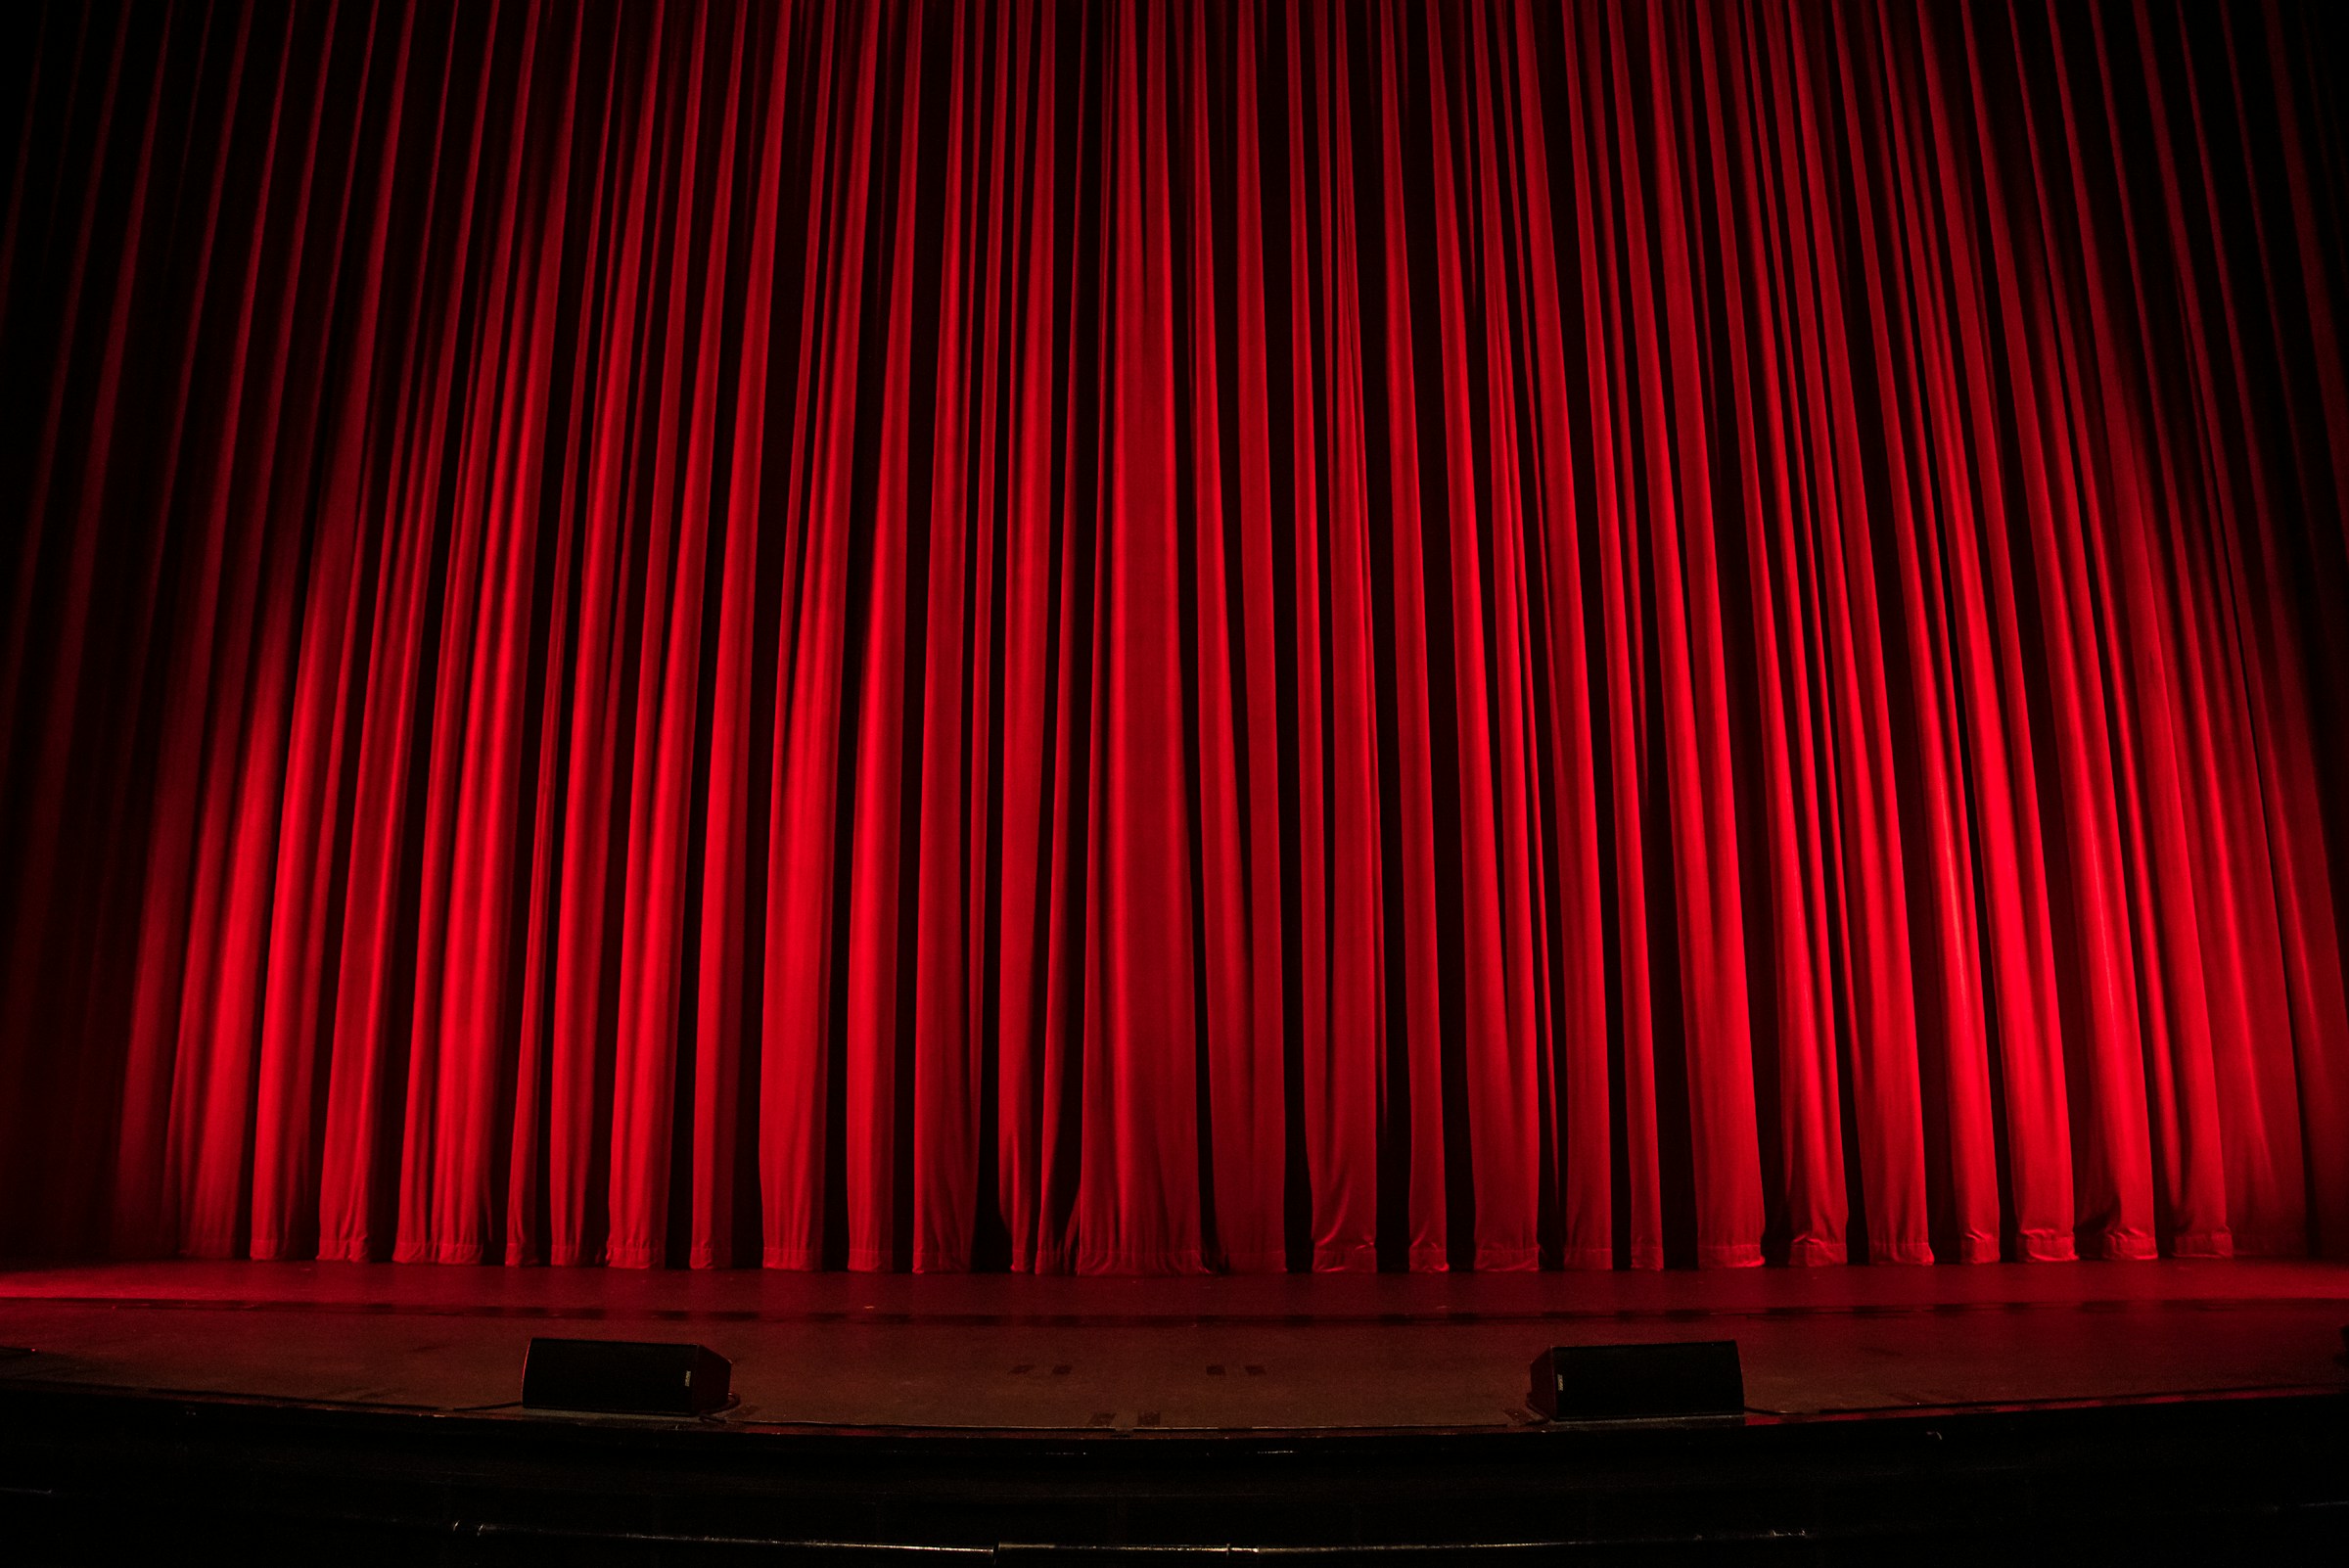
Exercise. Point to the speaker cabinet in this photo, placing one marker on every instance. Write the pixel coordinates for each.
(623, 1378)
(1639, 1382)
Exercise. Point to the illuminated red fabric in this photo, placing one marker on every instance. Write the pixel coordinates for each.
(1157, 638)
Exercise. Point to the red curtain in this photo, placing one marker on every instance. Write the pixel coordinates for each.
(1144, 639)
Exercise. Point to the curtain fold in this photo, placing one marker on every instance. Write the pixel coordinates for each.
(1151, 639)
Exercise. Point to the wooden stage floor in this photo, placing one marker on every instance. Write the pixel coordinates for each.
(1290, 1353)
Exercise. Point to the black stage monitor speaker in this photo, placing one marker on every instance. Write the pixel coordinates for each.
(1639, 1382)
(623, 1378)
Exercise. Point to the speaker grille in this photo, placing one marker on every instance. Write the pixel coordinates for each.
(1639, 1382)
(625, 1377)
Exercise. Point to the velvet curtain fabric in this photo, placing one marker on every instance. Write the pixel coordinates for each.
(1160, 637)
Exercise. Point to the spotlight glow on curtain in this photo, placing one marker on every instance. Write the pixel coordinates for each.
(1133, 637)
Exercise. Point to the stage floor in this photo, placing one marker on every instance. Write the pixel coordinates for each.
(1290, 1353)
